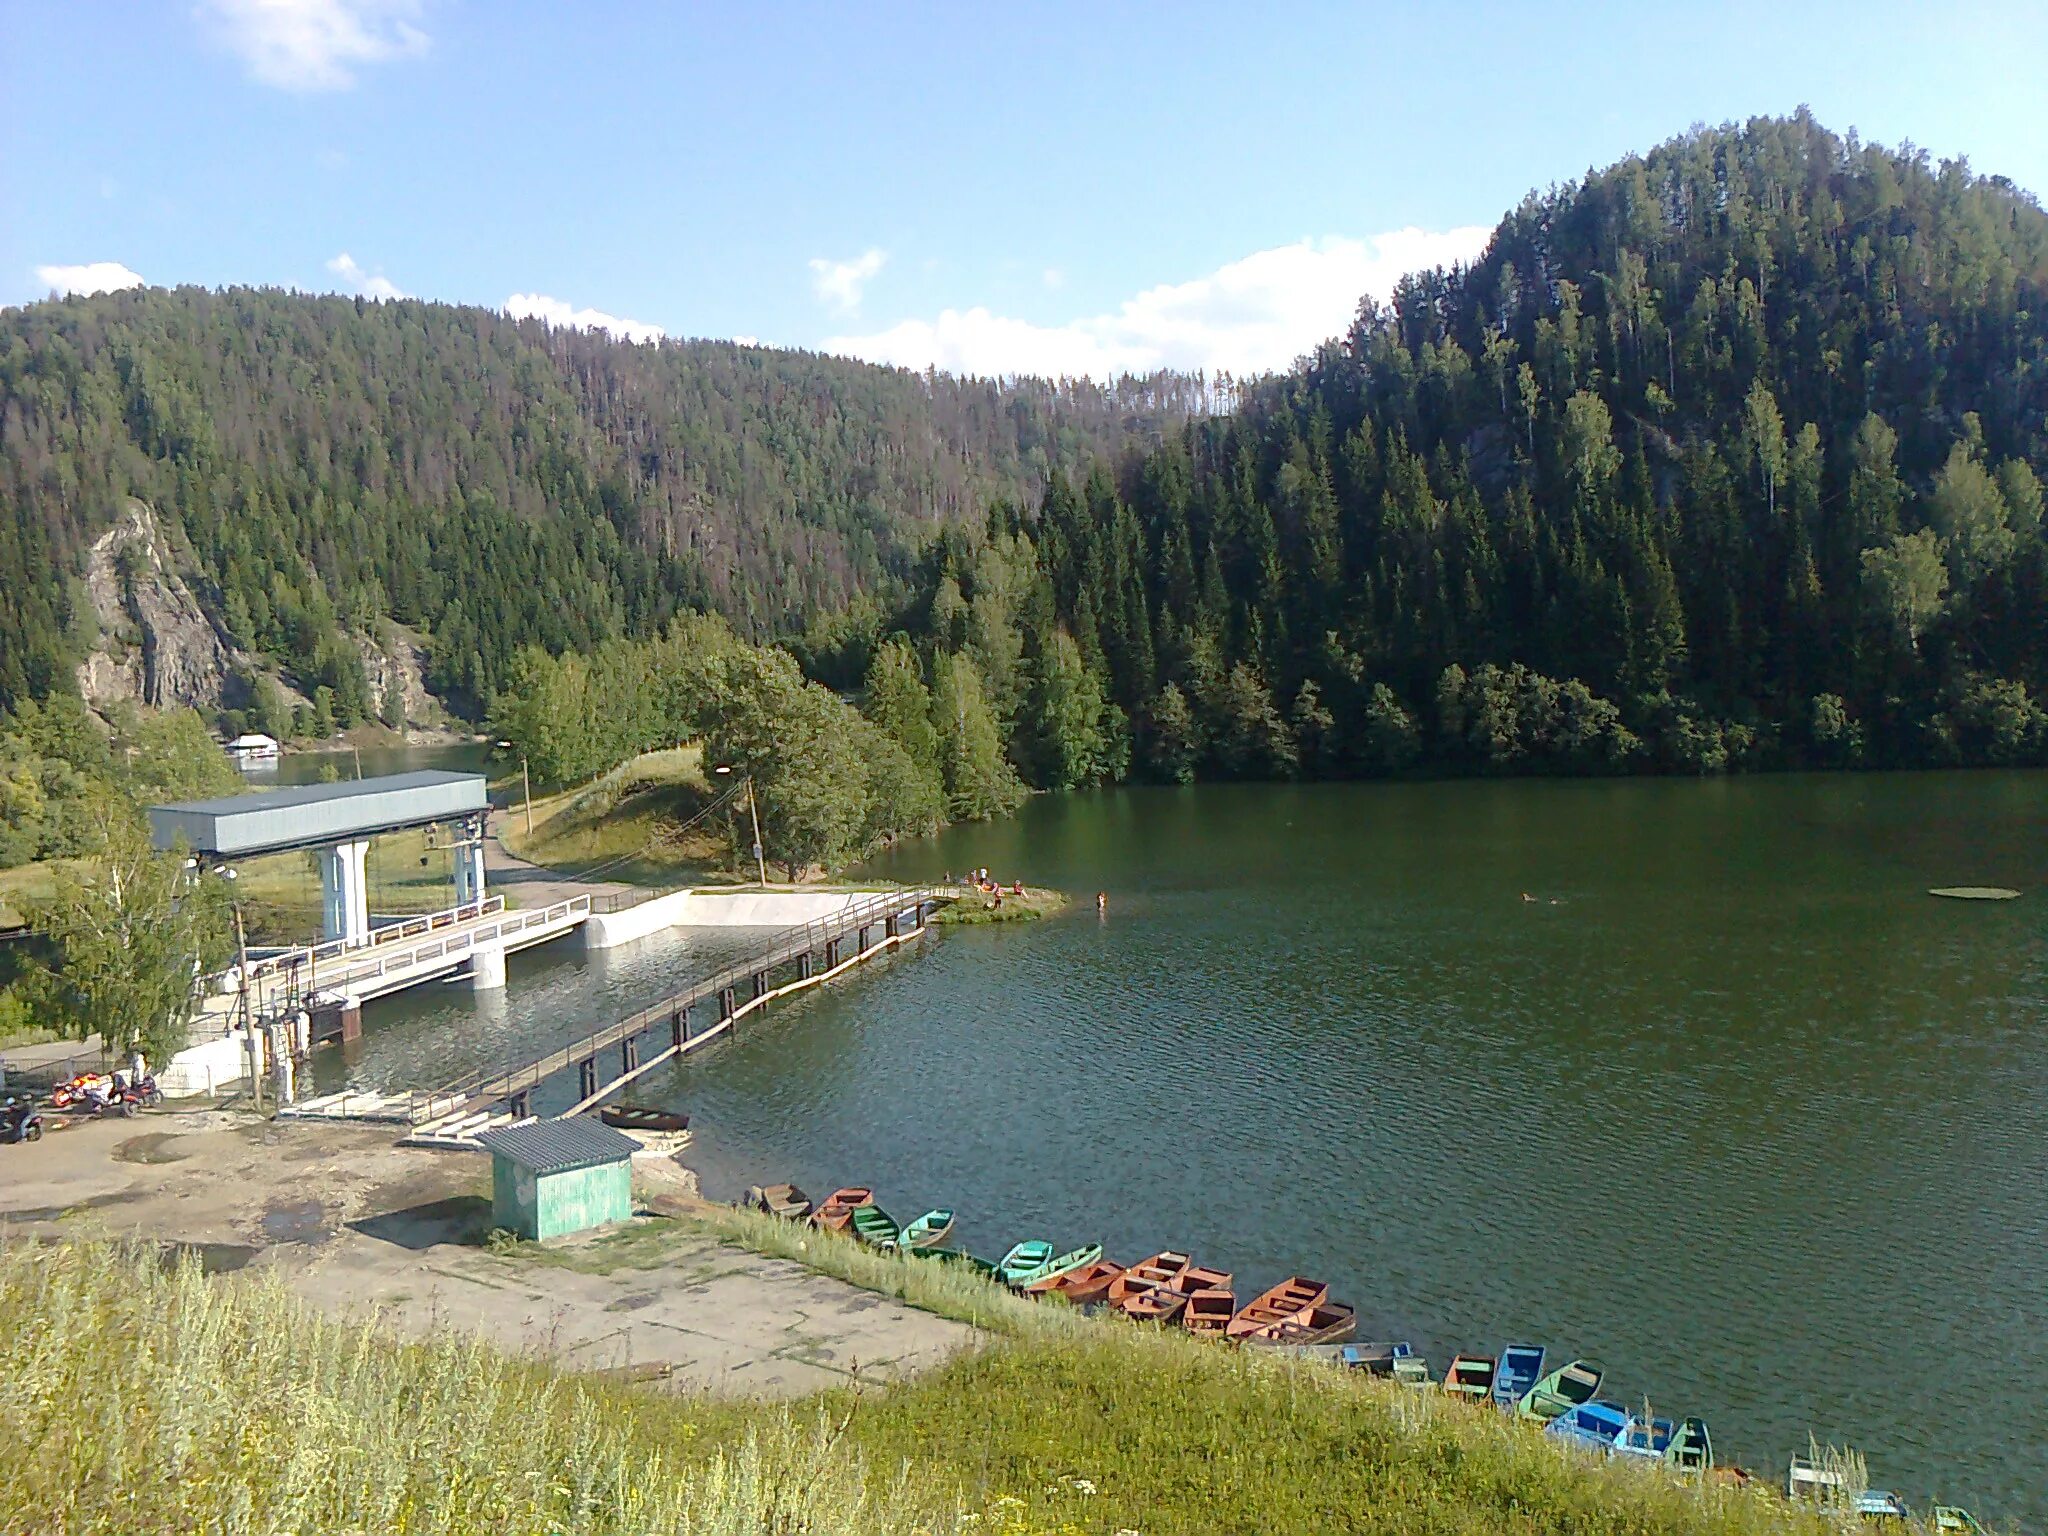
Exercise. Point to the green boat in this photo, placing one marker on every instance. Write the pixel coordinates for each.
(1050, 1267)
(928, 1231)
(1561, 1391)
(875, 1226)
(1692, 1448)
(1022, 1264)
(953, 1256)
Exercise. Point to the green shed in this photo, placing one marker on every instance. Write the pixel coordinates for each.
(553, 1177)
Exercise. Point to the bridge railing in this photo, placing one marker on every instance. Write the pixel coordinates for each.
(287, 960)
(787, 945)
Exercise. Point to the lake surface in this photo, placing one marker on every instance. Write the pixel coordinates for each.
(1731, 1104)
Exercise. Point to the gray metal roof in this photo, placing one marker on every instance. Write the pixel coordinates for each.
(558, 1146)
(309, 815)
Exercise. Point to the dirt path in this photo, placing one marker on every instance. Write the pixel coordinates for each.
(349, 1220)
(534, 885)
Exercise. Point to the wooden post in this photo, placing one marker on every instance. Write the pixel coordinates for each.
(629, 1054)
(586, 1077)
(725, 1004)
(679, 1027)
(760, 980)
(831, 954)
(889, 926)
(517, 1105)
(863, 941)
(803, 966)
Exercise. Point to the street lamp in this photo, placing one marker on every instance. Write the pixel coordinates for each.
(753, 815)
(526, 783)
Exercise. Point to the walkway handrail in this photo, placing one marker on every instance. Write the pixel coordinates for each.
(787, 945)
(390, 933)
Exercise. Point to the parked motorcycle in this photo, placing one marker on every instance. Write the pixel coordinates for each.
(142, 1093)
(20, 1121)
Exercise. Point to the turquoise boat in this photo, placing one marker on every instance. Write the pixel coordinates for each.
(875, 1227)
(1022, 1264)
(1558, 1393)
(928, 1231)
(1593, 1426)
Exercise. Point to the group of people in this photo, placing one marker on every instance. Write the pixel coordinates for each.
(992, 889)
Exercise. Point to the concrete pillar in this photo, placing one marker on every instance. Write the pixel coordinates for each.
(803, 966)
(487, 967)
(679, 1027)
(760, 980)
(586, 1077)
(832, 954)
(345, 892)
(889, 926)
(629, 1054)
(469, 865)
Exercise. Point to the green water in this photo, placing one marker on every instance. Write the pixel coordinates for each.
(1731, 1105)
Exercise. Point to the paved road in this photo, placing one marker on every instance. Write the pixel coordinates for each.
(527, 883)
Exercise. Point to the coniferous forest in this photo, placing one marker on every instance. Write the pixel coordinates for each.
(1727, 456)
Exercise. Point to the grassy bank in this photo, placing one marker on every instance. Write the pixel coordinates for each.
(141, 1400)
(973, 909)
(629, 825)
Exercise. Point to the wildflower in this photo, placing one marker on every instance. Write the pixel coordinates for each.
(1081, 1485)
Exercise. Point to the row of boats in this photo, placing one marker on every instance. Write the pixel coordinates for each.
(1298, 1317)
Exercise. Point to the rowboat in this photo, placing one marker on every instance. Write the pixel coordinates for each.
(1016, 1266)
(1561, 1391)
(1376, 1359)
(642, 1117)
(1210, 1301)
(952, 1256)
(1023, 1277)
(1412, 1371)
(1692, 1448)
(839, 1206)
(1947, 1517)
(1290, 1301)
(875, 1227)
(1471, 1376)
(1592, 1426)
(784, 1200)
(1145, 1276)
(928, 1231)
(1089, 1283)
(1521, 1367)
(1331, 1323)
(1649, 1438)
(1806, 1479)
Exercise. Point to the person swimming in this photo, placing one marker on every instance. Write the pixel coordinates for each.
(1101, 903)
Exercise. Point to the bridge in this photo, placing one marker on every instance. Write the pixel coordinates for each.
(793, 960)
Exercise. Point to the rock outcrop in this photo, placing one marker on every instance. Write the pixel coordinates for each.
(157, 645)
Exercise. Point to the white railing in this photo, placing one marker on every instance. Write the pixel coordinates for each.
(359, 968)
(287, 960)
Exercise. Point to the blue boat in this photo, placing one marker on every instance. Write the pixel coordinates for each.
(1647, 1438)
(1023, 1262)
(1521, 1367)
(1595, 1426)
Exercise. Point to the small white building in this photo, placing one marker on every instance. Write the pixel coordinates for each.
(251, 748)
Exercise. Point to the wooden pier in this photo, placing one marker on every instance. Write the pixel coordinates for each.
(795, 959)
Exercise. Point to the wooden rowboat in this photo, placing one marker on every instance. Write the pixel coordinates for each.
(1090, 1283)
(875, 1227)
(1023, 1261)
(1145, 1276)
(1692, 1448)
(1561, 1391)
(1520, 1368)
(1330, 1323)
(1052, 1268)
(1211, 1302)
(1290, 1301)
(642, 1117)
(1377, 1359)
(837, 1211)
(953, 1256)
(784, 1200)
(928, 1231)
(1471, 1376)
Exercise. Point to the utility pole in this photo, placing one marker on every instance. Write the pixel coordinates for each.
(526, 785)
(248, 998)
(760, 863)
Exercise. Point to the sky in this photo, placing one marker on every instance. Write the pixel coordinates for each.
(1052, 189)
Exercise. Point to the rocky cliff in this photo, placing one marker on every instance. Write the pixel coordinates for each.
(156, 644)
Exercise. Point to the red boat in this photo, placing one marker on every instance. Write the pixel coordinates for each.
(1088, 1284)
(1129, 1290)
(1291, 1301)
(837, 1211)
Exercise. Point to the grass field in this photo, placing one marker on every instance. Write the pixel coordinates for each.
(144, 1398)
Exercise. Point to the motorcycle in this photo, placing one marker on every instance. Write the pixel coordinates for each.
(77, 1092)
(141, 1093)
(20, 1121)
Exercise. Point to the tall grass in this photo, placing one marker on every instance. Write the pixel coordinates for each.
(139, 1400)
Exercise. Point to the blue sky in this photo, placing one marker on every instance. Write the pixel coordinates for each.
(1047, 188)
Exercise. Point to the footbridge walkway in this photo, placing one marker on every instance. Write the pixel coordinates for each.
(795, 959)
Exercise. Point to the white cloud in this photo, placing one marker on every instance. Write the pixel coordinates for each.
(1054, 278)
(559, 312)
(840, 282)
(89, 277)
(355, 280)
(1251, 316)
(315, 45)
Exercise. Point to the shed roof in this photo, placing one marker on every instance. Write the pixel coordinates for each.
(310, 815)
(558, 1146)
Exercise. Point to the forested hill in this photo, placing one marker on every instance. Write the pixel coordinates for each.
(1728, 455)
(331, 462)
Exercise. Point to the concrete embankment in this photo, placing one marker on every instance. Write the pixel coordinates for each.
(717, 909)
